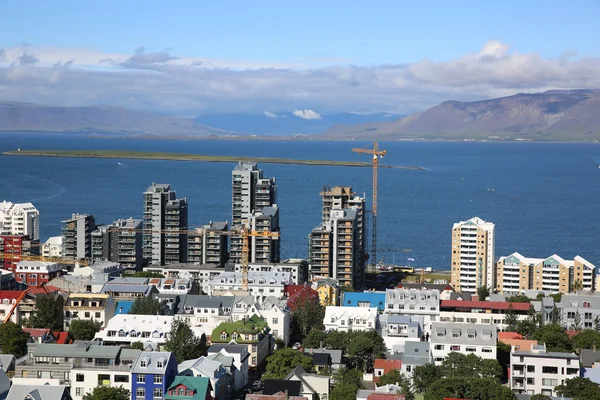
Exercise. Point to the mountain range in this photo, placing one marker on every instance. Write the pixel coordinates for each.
(555, 115)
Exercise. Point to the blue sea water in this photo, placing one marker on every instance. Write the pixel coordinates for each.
(542, 197)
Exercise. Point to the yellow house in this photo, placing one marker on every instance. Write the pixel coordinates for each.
(329, 291)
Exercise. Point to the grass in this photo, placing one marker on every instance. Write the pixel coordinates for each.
(143, 155)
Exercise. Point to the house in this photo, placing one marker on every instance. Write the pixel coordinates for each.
(95, 307)
(240, 355)
(174, 285)
(587, 306)
(80, 284)
(299, 294)
(334, 355)
(38, 392)
(445, 289)
(276, 396)
(424, 302)
(126, 329)
(396, 330)
(252, 332)
(189, 388)
(220, 380)
(34, 273)
(273, 386)
(539, 371)
(152, 374)
(108, 268)
(207, 312)
(315, 387)
(272, 310)
(477, 339)
(381, 366)
(480, 312)
(321, 361)
(298, 268)
(415, 354)
(385, 391)
(515, 340)
(339, 318)
(125, 290)
(364, 299)
(590, 364)
(260, 284)
(329, 291)
(8, 298)
(197, 272)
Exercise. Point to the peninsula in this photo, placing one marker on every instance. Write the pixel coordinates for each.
(143, 155)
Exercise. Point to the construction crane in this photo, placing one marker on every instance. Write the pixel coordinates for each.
(376, 153)
(22, 296)
(57, 260)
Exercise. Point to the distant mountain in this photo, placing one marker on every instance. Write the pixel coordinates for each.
(287, 123)
(556, 115)
(16, 117)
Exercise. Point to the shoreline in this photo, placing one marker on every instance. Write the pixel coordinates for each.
(159, 156)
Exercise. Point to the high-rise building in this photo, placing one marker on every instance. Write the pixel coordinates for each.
(119, 242)
(473, 263)
(77, 236)
(208, 244)
(337, 246)
(165, 221)
(19, 219)
(251, 192)
(265, 250)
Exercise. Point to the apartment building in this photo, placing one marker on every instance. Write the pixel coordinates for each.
(82, 366)
(421, 302)
(199, 272)
(398, 330)
(297, 268)
(77, 236)
(19, 219)
(340, 318)
(8, 298)
(516, 273)
(584, 307)
(539, 371)
(165, 222)
(89, 306)
(251, 332)
(120, 242)
(125, 329)
(152, 374)
(265, 250)
(480, 312)
(414, 355)
(33, 273)
(208, 244)
(473, 262)
(14, 247)
(260, 284)
(52, 247)
(207, 312)
(475, 339)
(250, 192)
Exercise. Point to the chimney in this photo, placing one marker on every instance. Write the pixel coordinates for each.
(321, 344)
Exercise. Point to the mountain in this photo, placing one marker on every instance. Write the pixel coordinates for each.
(287, 123)
(556, 115)
(16, 117)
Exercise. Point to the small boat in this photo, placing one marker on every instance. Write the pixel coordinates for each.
(119, 164)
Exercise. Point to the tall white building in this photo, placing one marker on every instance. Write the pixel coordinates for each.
(473, 258)
(19, 219)
(250, 192)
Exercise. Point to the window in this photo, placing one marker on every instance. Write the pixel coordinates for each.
(254, 360)
(97, 315)
(549, 382)
(122, 333)
(79, 378)
(275, 321)
(141, 378)
(159, 364)
(234, 336)
(275, 333)
(223, 335)
(78, 391)
(143, 364)
(531, 368)
(439, 347)
(140, 392)
(254, 348)
(550, 370)
(486, 350)
(122, 378)
(470, 350)
(408, 368)
(158, 379)
(87, 314)
(572, 371)
(455, 348)
(157, 394)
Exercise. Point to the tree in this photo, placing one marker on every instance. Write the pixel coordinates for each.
(314, 339)
(13, 340)
(309, 314)
(285, 360)
(183, 343)
(557, 297)
(518, 298)
(510, 319)
(540, 397)
(347, 383)
(363, 348)
(458, 365)
(555, 338)
(137, 345)
(585, 339)
(465, 388)
(597, 323)
(48, 312)
(147, 274)
(337, 340)
(483, 292)
(556, 316)
(424, 376)
(579, 389)
(392, 377)
(406, 390)
(528, 327)
(84, 329)
(146, 305)
(576, 325)
(107, 393)
(346, 288)
(577, 286)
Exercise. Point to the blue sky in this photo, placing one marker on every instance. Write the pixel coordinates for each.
(346, 41)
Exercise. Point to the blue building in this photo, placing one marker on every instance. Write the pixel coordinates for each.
(152, 374)
(364, 299)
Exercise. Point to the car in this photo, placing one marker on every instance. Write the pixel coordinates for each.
(297, 346)
(256, 386)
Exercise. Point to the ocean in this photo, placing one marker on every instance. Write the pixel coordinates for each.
(543, 197)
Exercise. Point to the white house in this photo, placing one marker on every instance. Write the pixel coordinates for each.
(298, 268)
(396, 330)
(339, 318)
(129, 328)
(313, 386)
(272, 310)
(415, 354)
(207, 312)
(424, 302)
(240, 356)
(260, 284)
(89, 306)
(475, 339)
(172, 285)
(205, 367)
(538, 371)
(52, 247)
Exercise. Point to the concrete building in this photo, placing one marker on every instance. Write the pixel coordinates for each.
(251, 192)
(420, 302)
(14, 247)
(260, 284)
(539, 372)
(480, 312)
(297, 268)
(88, 306)
(517, 274)
(125, 329)
(350, 318)
(165, 222)
(33, 273)
(52, 247)
(336, 248)
(199, 272)
(152, 374)
(365, 299)
(475, 339)
(77, 236)
(265, 250)
(208, 245)
(398, 330)
(251, 332)
(587, 306)
(473, 262)
(19, 219)
(415, 354)
(120, 242)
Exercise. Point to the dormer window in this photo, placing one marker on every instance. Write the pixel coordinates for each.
(159, 363)
(144, 362)
(223, 335)
(234, 336)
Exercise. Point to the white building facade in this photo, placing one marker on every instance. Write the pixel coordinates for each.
(19, 219)
(260, 284)
(339, 318)
(467, 339)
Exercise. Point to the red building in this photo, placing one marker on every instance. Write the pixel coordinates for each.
(13, 247)
(33, 273)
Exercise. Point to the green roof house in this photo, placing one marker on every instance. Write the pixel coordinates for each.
(253, 332)
(189, 388)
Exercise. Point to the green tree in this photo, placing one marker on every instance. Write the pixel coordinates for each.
(308, 314)
(337, 340)
(597, 323)
(84, 329)
(556, 316)
(283, 361)
(346, 288)
(510, 319)
(347, 382)
(458, 365)
(424, 376)
(13, 340)
(585, 339)
(107, 393)
(363, 348)
(48, 312)
(579, 389)
(465, 388)
(576, 325)
(540, 397)
(483, 292)
(314, 339)
(557, 297)
(146, 305)
(137, 345)
(528, 327)
(146, 274)
(518, 298)
(183, 343)
(406, 390)
(392, 377)
(555, 338)
(577, 286)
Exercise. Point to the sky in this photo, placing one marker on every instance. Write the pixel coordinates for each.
(196, 57)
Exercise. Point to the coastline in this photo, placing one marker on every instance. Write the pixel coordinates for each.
(160, 156)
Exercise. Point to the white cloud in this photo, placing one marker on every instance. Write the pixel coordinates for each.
(306, 114)
(168, 83)
(269, 114)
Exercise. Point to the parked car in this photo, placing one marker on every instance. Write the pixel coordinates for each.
(297, 346)
(256, 386)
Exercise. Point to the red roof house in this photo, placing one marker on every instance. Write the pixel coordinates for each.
(383, 366)
(385, 396)
(299, 293)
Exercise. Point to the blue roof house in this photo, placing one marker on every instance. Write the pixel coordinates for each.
(364, 299)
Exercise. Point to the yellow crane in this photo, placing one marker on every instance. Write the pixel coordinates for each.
(376, 154)
(57, 260)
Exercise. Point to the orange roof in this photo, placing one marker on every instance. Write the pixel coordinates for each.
(385, 396)
(10, 294)
(520, 344)
(387, 365)
(62, 337)
(35, 332)
(42, 291)
(509, 335)
(154, 281)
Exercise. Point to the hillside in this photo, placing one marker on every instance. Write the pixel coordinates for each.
(15, 117)
(569, 115)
